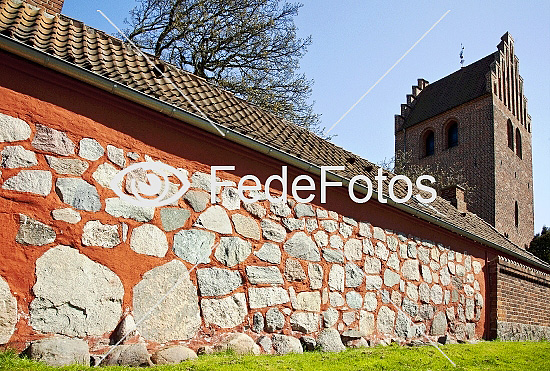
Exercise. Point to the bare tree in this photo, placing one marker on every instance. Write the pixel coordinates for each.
(249, 47)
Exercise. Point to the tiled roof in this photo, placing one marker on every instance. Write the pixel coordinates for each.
(464, 85)
(104, 55)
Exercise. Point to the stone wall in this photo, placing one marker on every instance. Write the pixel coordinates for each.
(82, 260)
(519, 301)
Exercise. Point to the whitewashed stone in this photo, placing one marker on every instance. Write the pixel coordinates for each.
(273, 231)
(411, 249)
(116, 155)
(393, 242)
(436, 294)
(67, 215)
(423, 255)
(294, 270)
(373, 282)
(393, 261)
(460, 270)
(149, 239)
(330, 317)
(329, 341)
(354, 276)
(260, 297)
(96, 233)
(122, 209)
(51, 140)
(336, 278)
(33, 181)
(426, 274)
(354, 300)
(336, 299)
(372, 265)
(284, 344)
(385, 320)
(217, 281)
(391, 278)
(476, 266)
(439, 324)
(410, 270)
(353, 249)
(329, 225)
(445, 277)
(434, 266)
(379, 234)
(322, 214)
(104, 174)
(270, 253)
(178, 318)
(293, 224)
(333, 255)
(311, 225)
(255, 209)
(90, 149)
(280, 209)
(301, 246)
(232, 251)
(194, 245)
(13, 129)
(227, 312)
(215, 219)
(424, 292)
(412, 291)
(452, 268)
(366, 323)
(336, 242)
(308, 301)
(370, 302)
(381, 251)
(315, 273)
(302, 210)
(274, 320)
(264, 275)
(8, 307)
(365, 230)
(346, 230)
(33, 232)
(67, 166)
(17, 157)
(74, 295)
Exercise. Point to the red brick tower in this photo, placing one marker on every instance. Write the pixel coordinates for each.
(472, 132)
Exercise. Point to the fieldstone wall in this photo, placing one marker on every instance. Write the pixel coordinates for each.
(276, 271)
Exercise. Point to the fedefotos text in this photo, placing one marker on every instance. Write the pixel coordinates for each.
(305, 183)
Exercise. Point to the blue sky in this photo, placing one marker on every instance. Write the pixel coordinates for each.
(355, 42)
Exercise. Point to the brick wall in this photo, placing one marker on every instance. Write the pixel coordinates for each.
(519, 299)
(51, 6)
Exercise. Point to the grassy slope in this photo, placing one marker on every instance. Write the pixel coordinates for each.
(482, 356)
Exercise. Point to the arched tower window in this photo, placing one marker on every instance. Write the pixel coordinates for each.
(510, 135)
(519, 151)
(429, 143)
(452, 134)
(516, 214)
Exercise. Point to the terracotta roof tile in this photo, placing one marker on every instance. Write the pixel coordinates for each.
(74, 42)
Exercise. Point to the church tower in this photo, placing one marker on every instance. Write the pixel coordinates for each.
(472, 132)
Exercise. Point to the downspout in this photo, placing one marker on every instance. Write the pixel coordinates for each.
(69, 69)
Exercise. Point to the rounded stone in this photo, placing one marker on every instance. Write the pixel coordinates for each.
(274, 320)
(149, 239)
(178, 318)
(67, 215)
(329, 341)
(8, 312)
(284, 344)
(90, 149)
(13, 129)
(60, 351)
(173, 355)
(74, 295)
(215, 219)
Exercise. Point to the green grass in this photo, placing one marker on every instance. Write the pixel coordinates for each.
(482, 356)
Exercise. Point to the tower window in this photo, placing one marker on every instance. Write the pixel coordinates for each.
(452, 134)
(516, 214)
(519, 151)
(429, 143)
(510, 135)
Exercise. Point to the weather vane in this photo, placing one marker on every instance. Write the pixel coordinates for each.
(462, 55)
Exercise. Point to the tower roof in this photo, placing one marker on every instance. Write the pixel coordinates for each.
(462, 86)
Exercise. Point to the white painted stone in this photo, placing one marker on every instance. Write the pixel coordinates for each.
(149, 239)
(74, 295)
(270, 253)
(273, 231)
(410, 270)
(178, 318)
(67, 215)
(353, 249)
(336, 278)
(301, 246)
(385, 320)
(225, 313)
(231, 199)
(33, 181)
(260, 297)
(215, 219)
(95, 233)
(17, 157)
(90, 149)
(104, 174)
(370, 303)
(13, 129)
